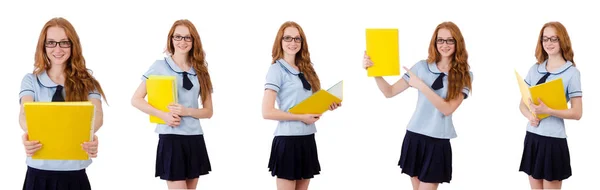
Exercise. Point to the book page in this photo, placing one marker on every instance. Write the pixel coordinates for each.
(337, 90)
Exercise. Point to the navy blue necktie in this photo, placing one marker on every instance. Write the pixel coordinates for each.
(439, 82)
(543, 79)
(58, 97)
(305, 83)
(187, 83)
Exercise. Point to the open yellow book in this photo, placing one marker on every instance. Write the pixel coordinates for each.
(61, 128)
(162, 91)
(320, 101)
(383, 48)
(552, 93)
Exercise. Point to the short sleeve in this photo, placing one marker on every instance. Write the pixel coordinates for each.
(532, 72)
(95, 94)
(153, 70)
(415, 69)
(574, 87)
(274, 80)
(27, 86)
(466, 91)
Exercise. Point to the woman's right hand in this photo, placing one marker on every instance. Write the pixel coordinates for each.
(171, 119)
(310, 118)
(30, 146)
(367, 61)
(533, 120)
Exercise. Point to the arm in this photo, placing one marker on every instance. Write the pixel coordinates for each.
(99, 115)
(140, 103)
(22, 120)
(391, 90)
(524, 110)
(574, 112)
(205, 112)
(447, 108)
(270, 112)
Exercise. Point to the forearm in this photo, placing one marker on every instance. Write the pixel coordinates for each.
(566, 114)
(276, 114)
(524, 110)
(384, 86)
(202, 113)
(143, 106)
(98, 121)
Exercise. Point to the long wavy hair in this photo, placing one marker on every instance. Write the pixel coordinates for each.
(79, 82)
(563, 38)
(302, 57)
(458, 76)
(196, 56)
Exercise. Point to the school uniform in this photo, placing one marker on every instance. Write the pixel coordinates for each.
(294, 150)
(181, 153)
(546, 153)
(52, 174)
(426, 150)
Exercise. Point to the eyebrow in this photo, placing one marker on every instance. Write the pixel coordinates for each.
(181, 35)
(52, 39)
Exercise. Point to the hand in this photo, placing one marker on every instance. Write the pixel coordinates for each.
(171, 119)
(30, 146)
(334, 106)
(178, 109)
(310, 118)
(533, 120)
(414, 80)
(541, 108)
(91, 147)
(367, 61)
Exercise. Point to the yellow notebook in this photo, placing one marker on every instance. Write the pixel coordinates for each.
(61, 128)
(383, 48)
(320, 101)
(552, 93)
(162, 91)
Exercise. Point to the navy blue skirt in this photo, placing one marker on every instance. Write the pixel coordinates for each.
(428, 158)
(294, 157)
(546, 157)
(181, 157)
(37, 179)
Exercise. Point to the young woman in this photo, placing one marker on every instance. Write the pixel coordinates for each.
(60, 75)
(181, 154)
(443, 81)
(291, 79)
(546, 155)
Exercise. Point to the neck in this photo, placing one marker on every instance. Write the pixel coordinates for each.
(57, 74)
(555, 60)
(181, 60)
(444, 64)
(290, 59)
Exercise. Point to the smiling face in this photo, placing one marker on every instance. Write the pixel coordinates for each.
(550, 41)
(58, 46)
(445, 43)
(291, 41)
(182, 40)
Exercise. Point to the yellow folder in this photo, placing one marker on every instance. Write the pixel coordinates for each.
(162, 91)
(552, 93)
(319, 102)
(383, 48)
(61, 128)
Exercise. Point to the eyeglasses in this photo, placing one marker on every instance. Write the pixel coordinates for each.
(289, 39)
(62, 44)
(448, 41)
(185, 38)
(553, 39)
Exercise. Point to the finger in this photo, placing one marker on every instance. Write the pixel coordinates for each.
(30, 143)
(34, 147)
(407, 70)
(32, 151)
(25, 137)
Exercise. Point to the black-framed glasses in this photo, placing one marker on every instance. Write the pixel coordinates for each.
(448, 41)
(62, 44)
(289, 39)
(552, 39)
(185, 38)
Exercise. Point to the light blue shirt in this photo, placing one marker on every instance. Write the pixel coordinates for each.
(427, 119)
(555, 126)
(188, 98)
(283, 79)
(42, 88)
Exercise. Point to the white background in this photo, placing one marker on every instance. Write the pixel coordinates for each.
(359, 144)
